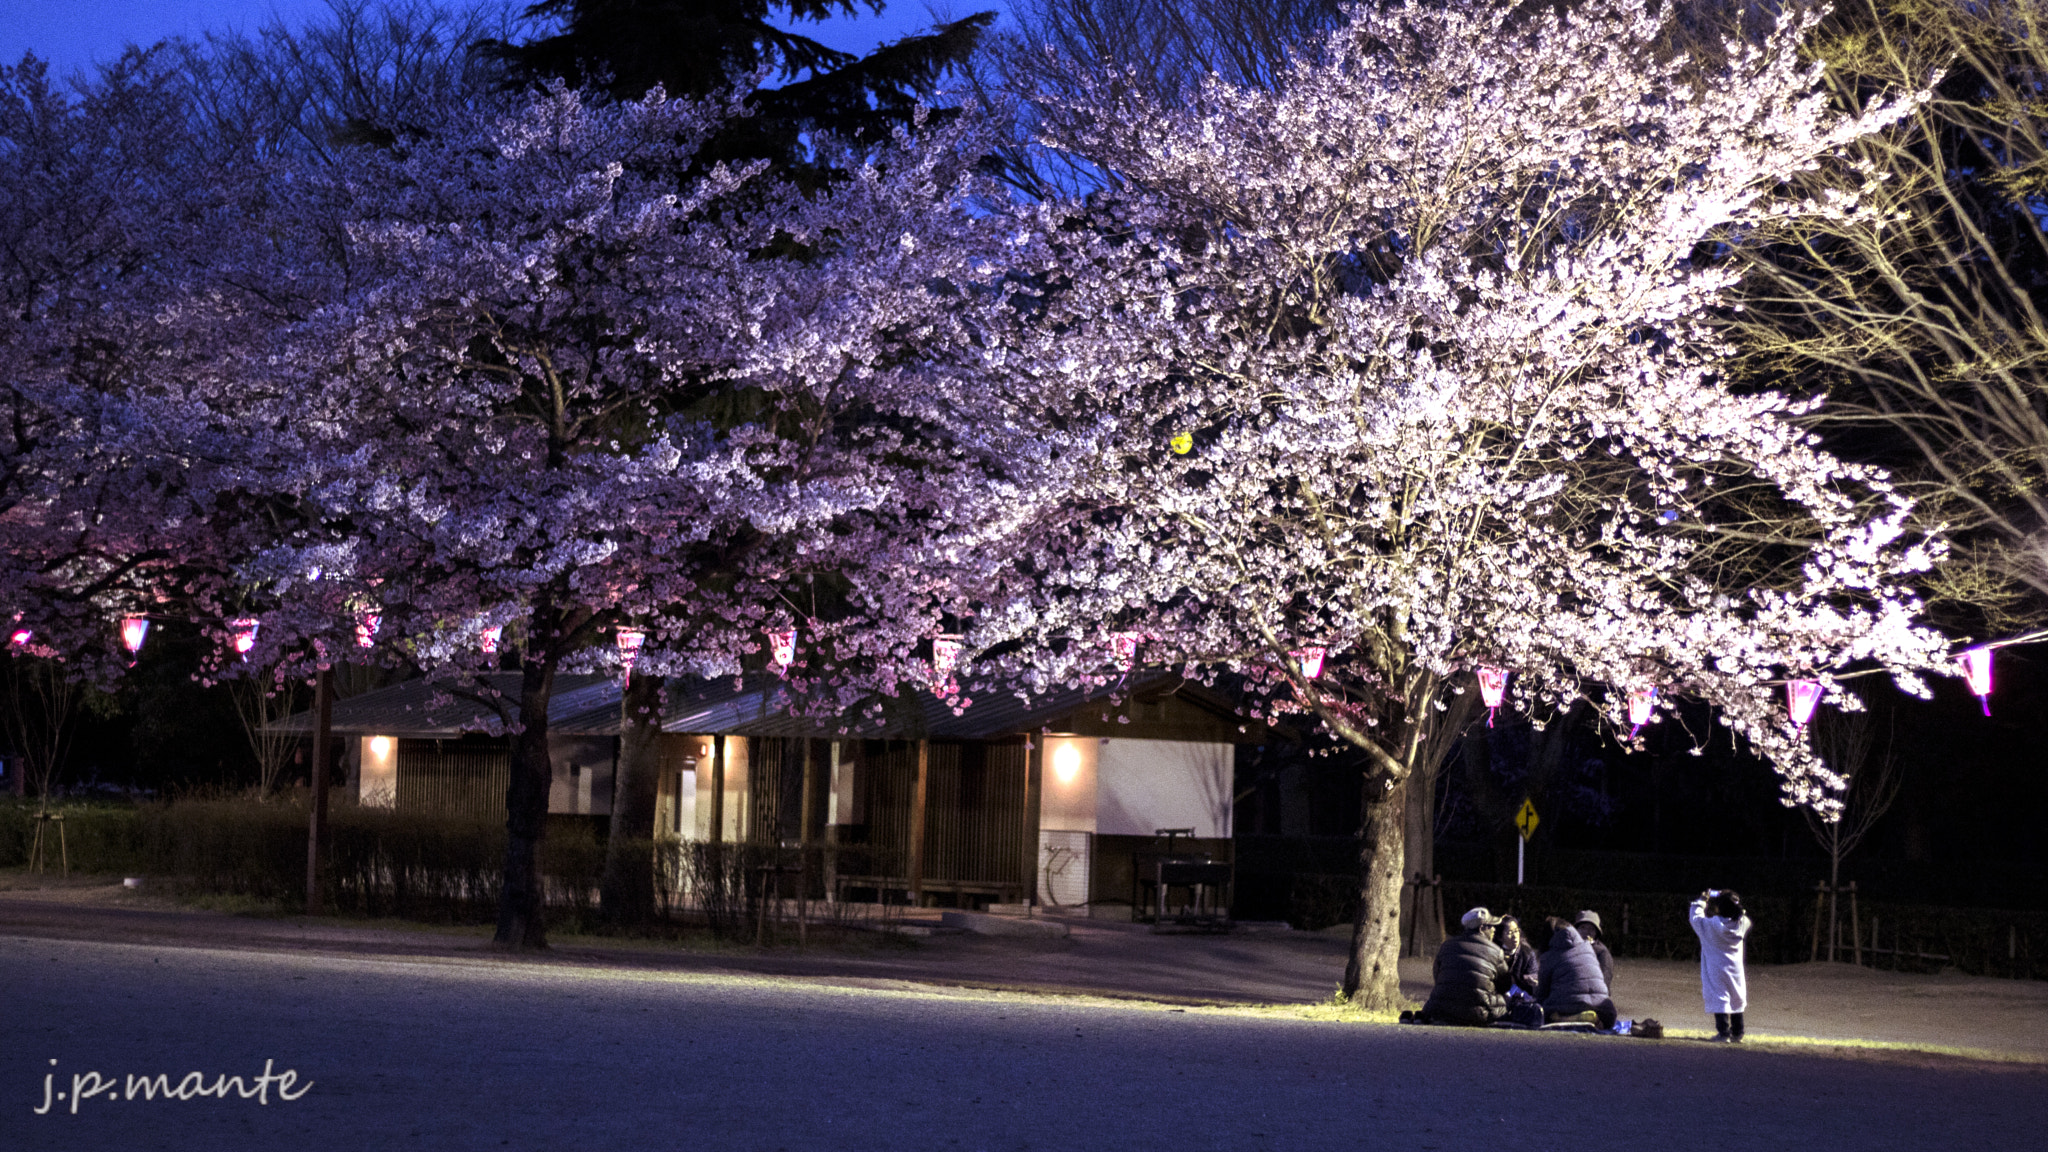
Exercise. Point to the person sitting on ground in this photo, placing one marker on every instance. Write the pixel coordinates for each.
(1721, 924)
(1569, 984)
(1521, 957)
(1471, 975)
(1588, 924)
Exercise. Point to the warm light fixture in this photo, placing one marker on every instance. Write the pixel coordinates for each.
(1310, 661)
(782, 648)
(1124, 647)
(1801, 697)
(1066, 763)
(245, 635)
(1493, 686)
(489, 638)
(631, 640)
(1641, 703)
(1977, 670)
(380, 746)
(945, 657)
(134, 630)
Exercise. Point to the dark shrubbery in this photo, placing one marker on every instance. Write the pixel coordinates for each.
(1912, 938)
(434, 868)
(100, 838)
(378, 862)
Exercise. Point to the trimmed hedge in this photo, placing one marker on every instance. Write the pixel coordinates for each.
(379, 862)
(97, 838)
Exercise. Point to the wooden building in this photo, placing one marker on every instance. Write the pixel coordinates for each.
(1053, 801)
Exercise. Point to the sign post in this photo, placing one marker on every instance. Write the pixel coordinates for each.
(1525, 823)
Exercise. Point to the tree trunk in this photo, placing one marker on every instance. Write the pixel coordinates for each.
(627, 889)
(1834, 912)
(1372, 978)
(1425, 931)
(520, 921)
(316, 821)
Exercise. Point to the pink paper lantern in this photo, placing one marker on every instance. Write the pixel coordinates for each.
(1310, 661)
(782, 648)
(21, 637)
(134, 630)
(631, 640)
(1976, 664)
(1642, 703)
(488, 640)
(366, 629)
(945, 657)
(1124, 647)
(1493, 687)
(245, 631)
(1801, 697)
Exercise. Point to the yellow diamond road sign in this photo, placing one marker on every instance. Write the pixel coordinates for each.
(1526, 819)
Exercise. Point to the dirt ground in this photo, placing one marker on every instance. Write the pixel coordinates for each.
(1795, 1005)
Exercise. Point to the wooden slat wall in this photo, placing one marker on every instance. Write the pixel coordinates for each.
(886, 774)
(452, 781)
(765, 757)
(974, 823)
(974, 807)
(775, 789)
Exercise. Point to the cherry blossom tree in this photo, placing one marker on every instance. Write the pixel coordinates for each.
(117, 495)
(552, 375)
(1402, 362)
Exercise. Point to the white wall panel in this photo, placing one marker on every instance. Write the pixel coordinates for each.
(1145, 785)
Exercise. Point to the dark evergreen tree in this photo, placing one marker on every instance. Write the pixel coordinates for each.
(693, 47)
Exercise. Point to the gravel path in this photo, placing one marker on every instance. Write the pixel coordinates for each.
(473, 1053)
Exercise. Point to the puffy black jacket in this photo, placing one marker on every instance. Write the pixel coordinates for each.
(1571, 980)
(1471, 974)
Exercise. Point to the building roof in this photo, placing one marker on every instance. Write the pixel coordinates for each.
(1155, 706)
(429, 709)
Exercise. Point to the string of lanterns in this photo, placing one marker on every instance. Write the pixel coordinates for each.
(630, 640)
(1802, 696)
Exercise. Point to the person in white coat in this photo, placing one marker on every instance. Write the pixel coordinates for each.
(1721, 924)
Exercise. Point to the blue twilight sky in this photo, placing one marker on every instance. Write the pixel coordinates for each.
(74, 33)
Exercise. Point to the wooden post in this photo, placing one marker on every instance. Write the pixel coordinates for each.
(806, 833)
(323, 745)
(832, 828)
(1034, 766)
(717, 848)
(917, 798)
(1834, 921)
(718, 789)
(806, 826)
(1820, 896)
(1855, 927)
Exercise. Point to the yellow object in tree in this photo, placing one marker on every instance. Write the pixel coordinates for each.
(1183, 444)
